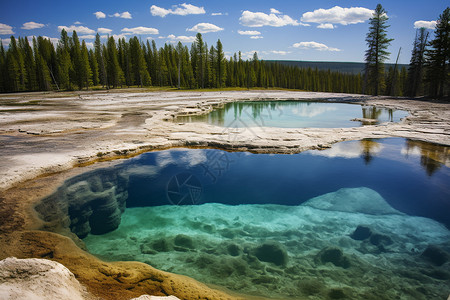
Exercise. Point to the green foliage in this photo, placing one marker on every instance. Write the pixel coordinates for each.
(438, 58)
(377, 53)
(69, 64)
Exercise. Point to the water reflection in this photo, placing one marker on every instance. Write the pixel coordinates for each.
(295, 114)
(432, 156)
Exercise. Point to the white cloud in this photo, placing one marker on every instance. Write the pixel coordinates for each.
(119, 36)
(181, 10)
(249, 32)
(89, 36)
(314, 46)
(259, 19)
(32, 25)
(425, 24)
(219, 14)
(181, 38)
(326, 26)
(205, 28)
(124, 15)
(104, 30)
(256, 37)
(140, 30)
(5, 42)
(338, 15)
(90, 45)
(274, 11)
(6, 29)
(279, 52)
(78, 23)
(100, 15)
(78, 29)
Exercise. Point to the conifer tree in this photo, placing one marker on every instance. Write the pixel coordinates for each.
(115, 73)
(3, 70)
(94, 67)
(415, 70)
(17, 66)
(77, 60)
(200, 59)
(86, 72)
(438, 56)
(103, 76)
(220, 65)
(377, 53)
(30, 66)
(42, 72)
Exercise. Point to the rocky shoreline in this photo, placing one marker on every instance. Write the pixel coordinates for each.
(45, 137)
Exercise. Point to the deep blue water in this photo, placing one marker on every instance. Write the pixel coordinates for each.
(409, 175)
(294, 114)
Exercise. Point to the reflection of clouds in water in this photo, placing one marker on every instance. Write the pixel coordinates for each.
(142, 170)
(311, 111)
(164, 158)
(413, 151)
(349, 150)
(189, 157)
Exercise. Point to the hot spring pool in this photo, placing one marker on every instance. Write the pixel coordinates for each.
(362, 220)
(296, 114)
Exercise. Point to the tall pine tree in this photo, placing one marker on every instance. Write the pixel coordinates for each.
(377, 53)
(438, 56)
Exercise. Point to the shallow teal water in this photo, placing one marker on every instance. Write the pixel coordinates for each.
(285, 226)
(295, 114)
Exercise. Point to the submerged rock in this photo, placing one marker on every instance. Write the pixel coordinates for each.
(272, 252)
(335, 256)
(354, 200)
(361, 233)
(436, 255)
(184, 241)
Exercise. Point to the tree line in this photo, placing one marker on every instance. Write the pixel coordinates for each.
(429, 69)
(71, 65)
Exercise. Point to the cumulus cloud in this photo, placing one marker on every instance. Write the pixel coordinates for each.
(425, 24)
(314, 46)
(181, 38)
(140, 30)
(88, 37)
(205, 28)
(123, 15)
(90, 45)
(274, 11)
(249, 32)
(338, 15)
(181, 10)
(104, 30)
(256, 37)
(100, 15)
(6, 29)
(259, 19)
(32, 25)
(326, 26)
(78, 29)
(219, 14)
(77, 23)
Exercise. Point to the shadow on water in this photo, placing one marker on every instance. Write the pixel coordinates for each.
(332, 224)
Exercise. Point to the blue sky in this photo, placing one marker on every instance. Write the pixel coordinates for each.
(318, 30)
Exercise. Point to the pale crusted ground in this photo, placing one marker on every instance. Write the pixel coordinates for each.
(50, 132)
(44, 133)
